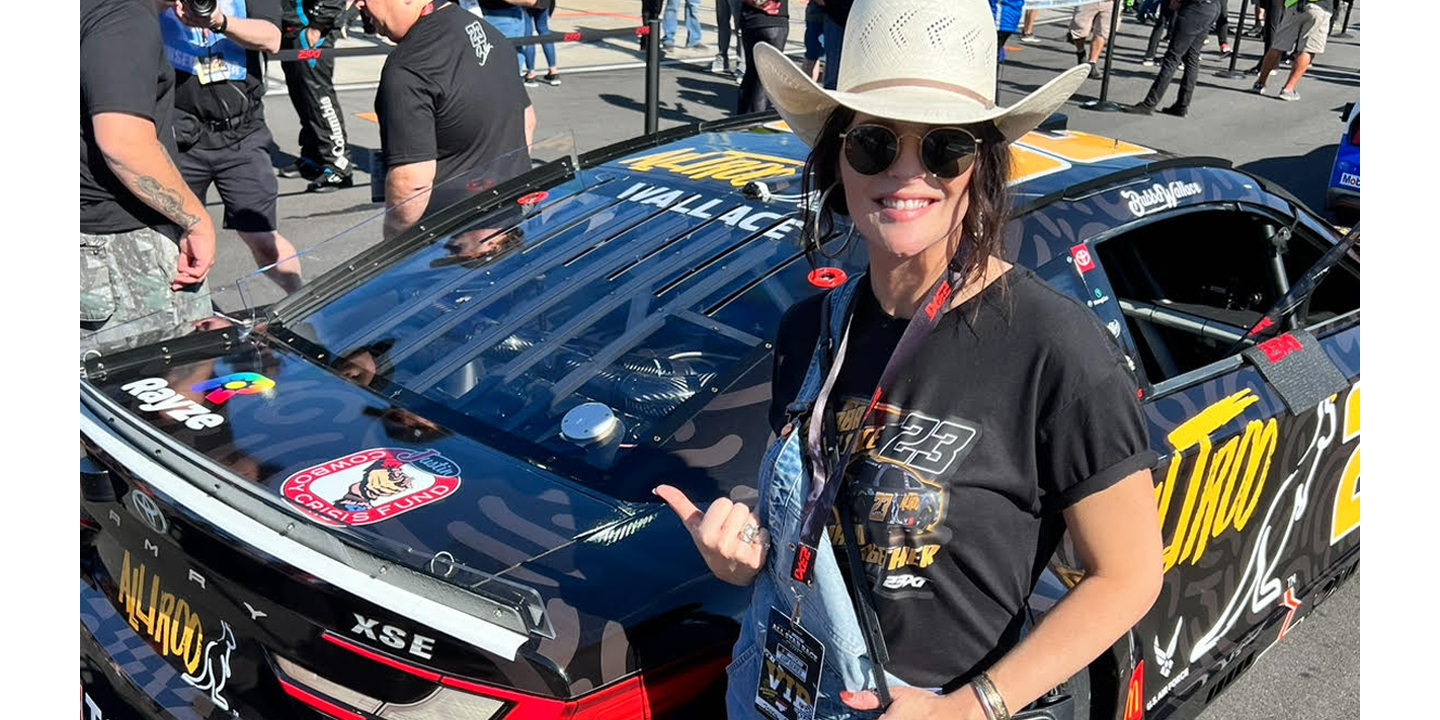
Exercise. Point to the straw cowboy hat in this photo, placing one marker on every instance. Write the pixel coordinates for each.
(923, 61)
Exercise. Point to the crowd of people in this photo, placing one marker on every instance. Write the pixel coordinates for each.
(450, 100)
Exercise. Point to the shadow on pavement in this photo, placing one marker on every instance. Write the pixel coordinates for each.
(1305, 176)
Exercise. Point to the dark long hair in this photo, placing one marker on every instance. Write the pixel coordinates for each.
(984, 221)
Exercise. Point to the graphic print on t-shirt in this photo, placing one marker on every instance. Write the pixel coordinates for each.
(899, 500)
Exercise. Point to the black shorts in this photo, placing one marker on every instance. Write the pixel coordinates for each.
(244, 175)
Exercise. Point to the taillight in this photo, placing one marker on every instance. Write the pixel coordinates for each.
(649, 695)
(1135, 694)
(1354, 138)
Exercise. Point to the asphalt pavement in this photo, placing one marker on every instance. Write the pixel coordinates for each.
(1314, 673)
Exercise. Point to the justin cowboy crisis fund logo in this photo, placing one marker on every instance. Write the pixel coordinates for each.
(372, 485)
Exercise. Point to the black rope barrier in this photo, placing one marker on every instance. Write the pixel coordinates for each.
(297, 55)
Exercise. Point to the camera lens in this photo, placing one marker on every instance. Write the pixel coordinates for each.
(200, 8)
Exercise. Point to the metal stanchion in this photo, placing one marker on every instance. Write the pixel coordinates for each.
(1103, 104)
(1232, 73)
(652, 78)
(1345, 27)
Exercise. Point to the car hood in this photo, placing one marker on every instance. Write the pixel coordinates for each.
(340, 455)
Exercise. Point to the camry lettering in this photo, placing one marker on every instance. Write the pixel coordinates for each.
(157, 396)
(92, 710)
(391, 636)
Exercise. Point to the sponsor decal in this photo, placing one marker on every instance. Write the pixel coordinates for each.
(1277, 348)
(1100, 299)
(941, 295)
(160, 616)
(143, 507)
(372, 485)
(1114, 327)
(222, 388)
(338, 154)
(1224, 483)
(1159, 197)
(1259, 588)
(1080, 254)
(1265, 322)
(1165, 657)
(1152, 702)
(745, 217)
(391, 636)
(736, 166)
(1289, 601)
(156, 396)
(1350, 180)
(1135, 694)
(216, 672)
(803, 557)
(482, 44)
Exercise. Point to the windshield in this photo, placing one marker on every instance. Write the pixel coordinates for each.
(249, 299)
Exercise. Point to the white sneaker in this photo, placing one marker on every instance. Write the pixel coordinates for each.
(1031, 39)
(717, 64)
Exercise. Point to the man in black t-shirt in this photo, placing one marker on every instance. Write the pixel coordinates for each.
(760, 21)
(450, 104)
(220, 118)
(134, 205)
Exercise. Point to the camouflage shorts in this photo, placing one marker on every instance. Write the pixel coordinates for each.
(125, 280)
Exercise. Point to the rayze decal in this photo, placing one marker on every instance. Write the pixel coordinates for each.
(372, 485)
(157, 396)
(1159, 197)
(733, 165)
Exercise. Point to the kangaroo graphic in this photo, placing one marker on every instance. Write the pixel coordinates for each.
(212, 677)
(1165, 657)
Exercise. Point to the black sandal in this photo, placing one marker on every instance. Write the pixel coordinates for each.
(552, 79)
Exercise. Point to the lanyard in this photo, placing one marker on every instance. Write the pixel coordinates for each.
(825, 476)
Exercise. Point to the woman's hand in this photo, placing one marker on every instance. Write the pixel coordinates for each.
(720, 533)
(908, 703)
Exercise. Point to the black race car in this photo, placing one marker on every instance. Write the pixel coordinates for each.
(420, 487)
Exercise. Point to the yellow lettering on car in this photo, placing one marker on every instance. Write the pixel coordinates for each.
(1345, 516)
(735, 166)
(167, 619)
(1222, 488)
(1081, 147)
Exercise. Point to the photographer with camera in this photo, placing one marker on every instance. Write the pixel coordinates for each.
(215, 46)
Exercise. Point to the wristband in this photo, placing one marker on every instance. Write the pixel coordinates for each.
(990, 700)
(224, 23)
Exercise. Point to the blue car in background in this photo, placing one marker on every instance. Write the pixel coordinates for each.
(1343, 194)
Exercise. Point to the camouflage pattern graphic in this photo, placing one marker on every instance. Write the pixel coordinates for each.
(125, 281)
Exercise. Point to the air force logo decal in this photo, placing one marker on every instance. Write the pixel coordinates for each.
(372, 485)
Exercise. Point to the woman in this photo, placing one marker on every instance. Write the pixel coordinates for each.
(1008, 419)
(537, 22)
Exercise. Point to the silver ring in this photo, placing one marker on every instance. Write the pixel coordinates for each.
(749, 533)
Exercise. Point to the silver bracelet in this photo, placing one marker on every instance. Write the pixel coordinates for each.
(990, 699)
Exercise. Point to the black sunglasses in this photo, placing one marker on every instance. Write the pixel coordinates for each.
(870, 149)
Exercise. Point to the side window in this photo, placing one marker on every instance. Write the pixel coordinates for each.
(1189, 285)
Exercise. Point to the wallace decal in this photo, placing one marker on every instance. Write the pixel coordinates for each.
(372, 485)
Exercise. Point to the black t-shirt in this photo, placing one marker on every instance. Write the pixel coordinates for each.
(751, 16)
(122, 69)
(237, 100)
(451, 92)
(1000, 421)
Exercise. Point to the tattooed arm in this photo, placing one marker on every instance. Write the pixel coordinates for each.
(140, 162)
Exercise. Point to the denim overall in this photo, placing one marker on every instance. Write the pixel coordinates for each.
(826, 610)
